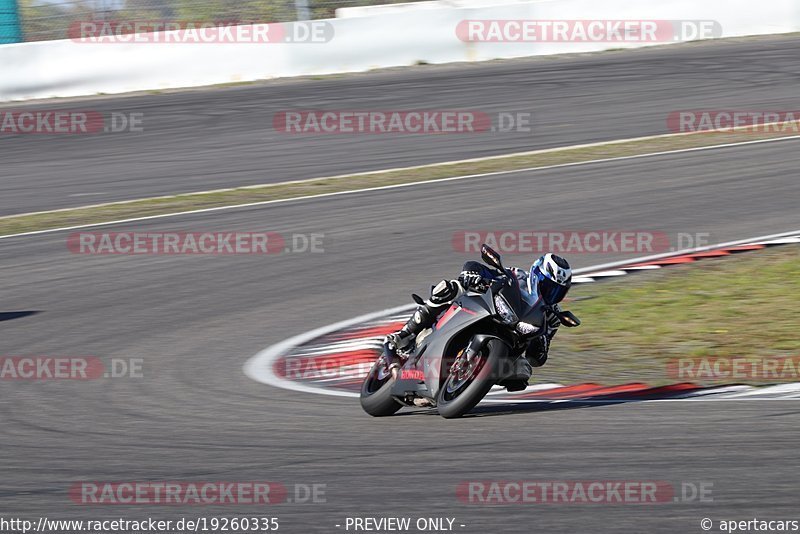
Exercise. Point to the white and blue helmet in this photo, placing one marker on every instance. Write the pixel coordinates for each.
(552, 276)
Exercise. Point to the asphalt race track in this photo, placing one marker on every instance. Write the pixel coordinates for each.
(194, 320)
(223, 137)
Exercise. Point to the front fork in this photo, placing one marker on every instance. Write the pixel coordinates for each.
(392, 361)
(474, 347)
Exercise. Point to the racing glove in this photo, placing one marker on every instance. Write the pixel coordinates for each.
(553, 322)
(472, 280)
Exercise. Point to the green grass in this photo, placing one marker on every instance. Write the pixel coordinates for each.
(745, 305)
(244, 195)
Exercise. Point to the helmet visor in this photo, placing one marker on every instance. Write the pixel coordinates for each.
(551, 292)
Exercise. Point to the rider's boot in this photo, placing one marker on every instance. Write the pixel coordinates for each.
(404, 339)
(424, 316)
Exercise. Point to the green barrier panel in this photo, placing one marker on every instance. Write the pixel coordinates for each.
(10, 29)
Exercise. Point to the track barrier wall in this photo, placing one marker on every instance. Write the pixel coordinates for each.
(379, 39)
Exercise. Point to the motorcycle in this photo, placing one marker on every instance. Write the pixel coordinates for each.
(479, 342)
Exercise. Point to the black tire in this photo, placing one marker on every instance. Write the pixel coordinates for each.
(466, 398)
(376, 394)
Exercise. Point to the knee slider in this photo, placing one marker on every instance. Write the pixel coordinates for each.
(422, 316)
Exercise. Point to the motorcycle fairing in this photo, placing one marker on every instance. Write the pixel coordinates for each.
(462, 314)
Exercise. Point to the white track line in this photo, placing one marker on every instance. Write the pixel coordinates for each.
(386, 187)
(413, 167)
(259, 367)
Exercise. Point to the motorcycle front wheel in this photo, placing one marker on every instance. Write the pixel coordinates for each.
(376, 391)
(469, 381)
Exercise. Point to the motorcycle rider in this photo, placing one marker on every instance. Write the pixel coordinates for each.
(550, 279)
